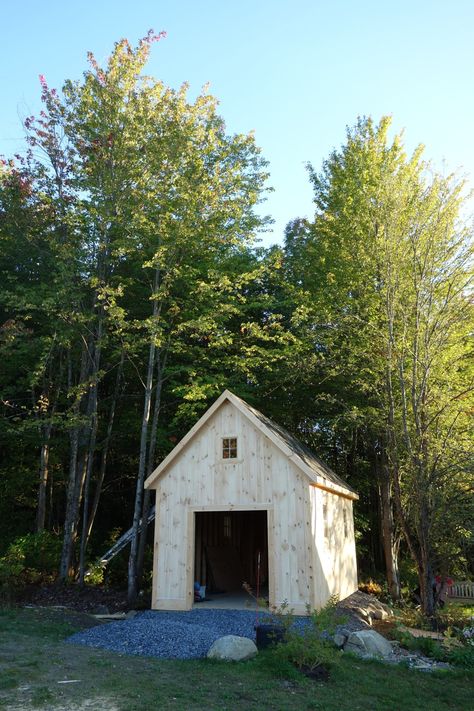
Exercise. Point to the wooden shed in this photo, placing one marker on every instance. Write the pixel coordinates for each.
(239, 489)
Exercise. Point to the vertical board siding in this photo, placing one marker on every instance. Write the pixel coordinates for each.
(334, 552)
(261, 477)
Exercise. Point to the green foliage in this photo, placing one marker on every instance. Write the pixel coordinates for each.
(39, 551)
(29, 559)
(455, 646)
(95, 573)
(307, 651)
(127, 229)
(413, 617)
(309, 646)
(384, 273)
(11, 569)
(453, 616)
(426, 645)
(462, 657)
(457, 653)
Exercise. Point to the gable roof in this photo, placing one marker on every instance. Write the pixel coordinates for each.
(319, 474)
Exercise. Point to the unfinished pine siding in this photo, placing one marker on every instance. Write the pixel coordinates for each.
(304, 567)
(335, 558)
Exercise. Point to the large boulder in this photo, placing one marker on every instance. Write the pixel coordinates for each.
(368, 643)
(232, 649)
(366, 607)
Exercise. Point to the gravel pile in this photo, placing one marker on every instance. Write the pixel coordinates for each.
(169, 635)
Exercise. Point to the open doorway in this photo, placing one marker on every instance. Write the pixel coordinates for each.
(231, 547)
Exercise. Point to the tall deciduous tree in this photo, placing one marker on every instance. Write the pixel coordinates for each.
(388, 266)
(155, 198)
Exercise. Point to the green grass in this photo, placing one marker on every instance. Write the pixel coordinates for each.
(34, 657)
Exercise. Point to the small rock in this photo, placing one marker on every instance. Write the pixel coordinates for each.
(379, 614)
(339, 640)
(368, 643)
(421, 665)
(232, 648)
(344, 630)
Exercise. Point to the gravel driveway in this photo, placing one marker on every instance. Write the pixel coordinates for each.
(169, 635)
(186, 635)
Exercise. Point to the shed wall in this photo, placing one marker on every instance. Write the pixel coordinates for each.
(334, 554)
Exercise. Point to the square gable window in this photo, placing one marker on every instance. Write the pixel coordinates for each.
(229, 448)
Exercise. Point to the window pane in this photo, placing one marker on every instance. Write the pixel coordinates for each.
(229, 447)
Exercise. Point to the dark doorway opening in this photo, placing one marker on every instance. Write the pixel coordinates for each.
(228, 548)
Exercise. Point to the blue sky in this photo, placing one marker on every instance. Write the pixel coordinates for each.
(297, 72)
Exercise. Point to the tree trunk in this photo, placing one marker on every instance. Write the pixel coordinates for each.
(43, 479)
(105, 450)
(69, 521)
(426, 580)
(86, 487)
(160, 366)
(93, 397)
(46, 430)
(132, 561)
(73, 487)
(388, 533)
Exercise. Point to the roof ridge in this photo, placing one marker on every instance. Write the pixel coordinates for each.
(300, 448)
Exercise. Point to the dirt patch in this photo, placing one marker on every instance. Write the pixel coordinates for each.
(74, 597)
(386, 628)
(75, 618)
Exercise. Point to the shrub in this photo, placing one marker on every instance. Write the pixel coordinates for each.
(311, 646)
(307, 651)
(10, 571)
(30, 559)
(462, 656)
(453, 616)
(449, 617)
(413, 617)
(95, 573)
(371, 588)
(467, 635)
(41, 551)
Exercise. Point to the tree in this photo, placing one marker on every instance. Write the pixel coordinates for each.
(388, 265)
(155, 199)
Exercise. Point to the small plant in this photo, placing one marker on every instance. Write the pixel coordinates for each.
(30, 559)
(467, 635)
(326, 620)
(413, 617)
(283, 615)
(259, 601)
(462, 656)
(371, 588)
(95, 574)
(426, 645)
(307, 651)
(453, 616)
(309, 647)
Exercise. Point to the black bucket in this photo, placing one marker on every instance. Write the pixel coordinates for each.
(268, 634)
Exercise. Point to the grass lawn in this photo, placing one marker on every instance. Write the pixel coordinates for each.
(34, 658)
